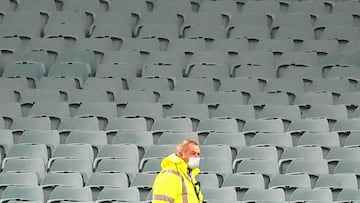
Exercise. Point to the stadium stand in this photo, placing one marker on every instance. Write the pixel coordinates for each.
(93, 91)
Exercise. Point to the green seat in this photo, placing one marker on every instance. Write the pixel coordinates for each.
(28, 123)
(330, 112)
(159, 31)
(263, 125)
(55, 45)
(70, 194)
(124, 97)
(339, 32)
(152, 165)
(284, 112)
(208, 71)
(174, 7)
(217, 125)
(290, 182)
(143, 182)
(320, 45)
(50, 138)
(313, 167)
(335, 85)
(8, 96)
(84, 57)
(101, 45)
(127, 72)
(267, 168)
(176, 137)
(126, 124)
(30, 96)
(60, 30)
(79, 165)
(72, 123)
(76, 96)
(317, 194)
(98, 181)
(28, 179)
(234, 140)
(117, 151)
(109, 30)
(29, 28)
(33, 71)
(240, 84)
(252, 72)
(275, 45)
(35, 165)
(249, 31)
(153, 84)
(279, 140)
(225, 194)
(75, 70)
(23, 193)
(149, 111)
(102, 110)
(209, 180)
(348, 195)
(128, 166)
(14, 83)
(295, 33)
(244, 182)
(271, 7)
(264, 195)
(200, 85)
(91, 7)
(6, 141)
(54, 179)
(290, 19)
(27, 151)
(266, 98)
(309, 124)
(72, 151)
(337, 181)
(130, 194)
(56, 111)
(97, 139)
(142, 139)
(219, 58)
(57, 83)
(324, 140)
(307, 99)
(186, 45)
(296, 153)
(9, 112)
(146, 45)
(348, 98)
(110, 85)
(220, 98)
(167, 98)
(126, 5)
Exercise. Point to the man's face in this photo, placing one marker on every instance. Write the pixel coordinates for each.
(191, 151)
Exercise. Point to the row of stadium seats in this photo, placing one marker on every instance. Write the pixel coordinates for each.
(254, 168)
(107, 45)
(223, 115)
(226, 99)
(185, 6)
(94, 93)
(212, 195)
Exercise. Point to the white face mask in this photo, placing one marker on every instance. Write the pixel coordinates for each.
(194, 162)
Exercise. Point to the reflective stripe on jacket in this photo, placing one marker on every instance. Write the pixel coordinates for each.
(174, 185)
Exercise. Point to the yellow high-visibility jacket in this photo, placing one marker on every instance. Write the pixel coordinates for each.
(174, 185)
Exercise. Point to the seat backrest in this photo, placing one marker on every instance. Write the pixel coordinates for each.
(70, 193)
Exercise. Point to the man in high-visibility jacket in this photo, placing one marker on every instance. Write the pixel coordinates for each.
(176, 182)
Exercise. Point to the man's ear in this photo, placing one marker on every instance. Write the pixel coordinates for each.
(180, 154)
